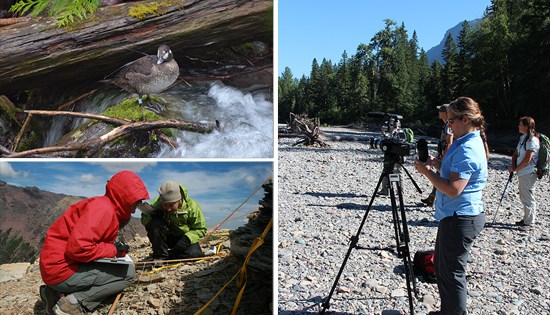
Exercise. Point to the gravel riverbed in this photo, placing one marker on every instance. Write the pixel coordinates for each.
(323, 194)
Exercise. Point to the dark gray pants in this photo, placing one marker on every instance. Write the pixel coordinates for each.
(93, 282)
(455, 236)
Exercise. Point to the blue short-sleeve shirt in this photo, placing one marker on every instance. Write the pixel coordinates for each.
(467, 158)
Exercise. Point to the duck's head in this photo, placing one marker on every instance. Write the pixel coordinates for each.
(164, 54)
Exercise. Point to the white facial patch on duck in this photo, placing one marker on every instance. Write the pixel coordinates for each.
(163, 56)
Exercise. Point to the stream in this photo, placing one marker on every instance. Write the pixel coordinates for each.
(245, 115)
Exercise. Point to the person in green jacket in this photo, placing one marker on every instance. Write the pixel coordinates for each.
(175, 225)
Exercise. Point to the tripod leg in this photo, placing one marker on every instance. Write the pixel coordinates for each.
(394, 178)
(402, 238)
(353, 244)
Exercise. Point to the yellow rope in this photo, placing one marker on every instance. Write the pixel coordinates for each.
(181, 262)
(241, 281)
(220, 224)
(162, 268)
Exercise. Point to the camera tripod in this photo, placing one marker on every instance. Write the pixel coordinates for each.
(399, 224)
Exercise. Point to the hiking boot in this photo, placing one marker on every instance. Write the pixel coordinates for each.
(64, 307)
(48, 297)
(383, 193)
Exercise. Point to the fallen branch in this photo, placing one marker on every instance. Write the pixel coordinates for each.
(71, 102)
(11, 21)
(109, 119)
(89, 148)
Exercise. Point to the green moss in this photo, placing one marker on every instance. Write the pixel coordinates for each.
(130, 109)
(140, 11)
(246, 49)
(31, 141)
(8, 109)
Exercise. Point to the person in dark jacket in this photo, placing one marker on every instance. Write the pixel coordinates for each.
(444, 143)
(175, 224)
(87, 231)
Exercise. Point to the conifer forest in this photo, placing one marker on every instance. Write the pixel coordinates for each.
(503, 63)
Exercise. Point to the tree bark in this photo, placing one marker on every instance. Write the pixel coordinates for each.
(36, 55)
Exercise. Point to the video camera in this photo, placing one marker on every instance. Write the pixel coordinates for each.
(392, 140)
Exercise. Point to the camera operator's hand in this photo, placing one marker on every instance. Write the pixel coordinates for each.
(121, 249)
(434, 162)
(421, 167)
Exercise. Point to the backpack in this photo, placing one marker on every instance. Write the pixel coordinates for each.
(423, 265)
(543, 163)
(409, 135)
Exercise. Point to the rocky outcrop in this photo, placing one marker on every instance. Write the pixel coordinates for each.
(260, 266)
(14, 271)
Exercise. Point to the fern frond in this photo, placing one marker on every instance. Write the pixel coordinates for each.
(64, 11)
(40, 6)
(59, 6)
(23, 6)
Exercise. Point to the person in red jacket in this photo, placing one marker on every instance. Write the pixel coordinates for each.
(87, 231)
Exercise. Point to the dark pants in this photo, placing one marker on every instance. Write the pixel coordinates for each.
(163, 242)
(455, 236)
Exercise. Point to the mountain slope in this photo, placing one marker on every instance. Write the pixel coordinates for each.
(26, 213)
(435, 52)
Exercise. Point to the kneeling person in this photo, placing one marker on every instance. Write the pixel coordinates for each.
(175, 225)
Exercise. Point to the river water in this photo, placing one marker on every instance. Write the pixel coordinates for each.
(246, 119)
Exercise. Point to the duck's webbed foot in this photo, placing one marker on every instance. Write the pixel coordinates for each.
(152, 106)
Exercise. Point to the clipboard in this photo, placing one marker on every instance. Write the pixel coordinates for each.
(146, 208)
(126, 260)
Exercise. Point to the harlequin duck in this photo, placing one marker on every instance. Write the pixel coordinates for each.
(149, 74)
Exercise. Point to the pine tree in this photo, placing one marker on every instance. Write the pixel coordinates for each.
(451, 68)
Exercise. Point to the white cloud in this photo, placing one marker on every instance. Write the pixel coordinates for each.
(115, 167)
(201, 182)
(89, 179)
(7, 171)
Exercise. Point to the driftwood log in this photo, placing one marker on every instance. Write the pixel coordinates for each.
(36, 55)
(89, 148)
(303, 127)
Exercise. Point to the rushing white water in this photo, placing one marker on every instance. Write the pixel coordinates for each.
(246, 119)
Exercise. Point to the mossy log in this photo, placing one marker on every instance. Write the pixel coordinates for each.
(36, 55)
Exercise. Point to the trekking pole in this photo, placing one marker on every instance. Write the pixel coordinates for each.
(502, 196)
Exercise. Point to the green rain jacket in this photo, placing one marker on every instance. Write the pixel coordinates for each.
(188, 220)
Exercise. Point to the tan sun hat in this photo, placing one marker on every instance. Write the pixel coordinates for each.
(169, 191)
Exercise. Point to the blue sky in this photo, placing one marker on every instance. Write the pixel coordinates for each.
(219, 187)
(320, 29)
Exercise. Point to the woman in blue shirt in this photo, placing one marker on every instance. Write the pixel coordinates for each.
(458, 206)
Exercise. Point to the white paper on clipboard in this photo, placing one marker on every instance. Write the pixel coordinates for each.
(116, 260)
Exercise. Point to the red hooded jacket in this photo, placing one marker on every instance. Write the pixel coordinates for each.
(88, 229)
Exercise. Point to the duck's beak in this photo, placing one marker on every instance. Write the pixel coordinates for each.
(160, 60)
